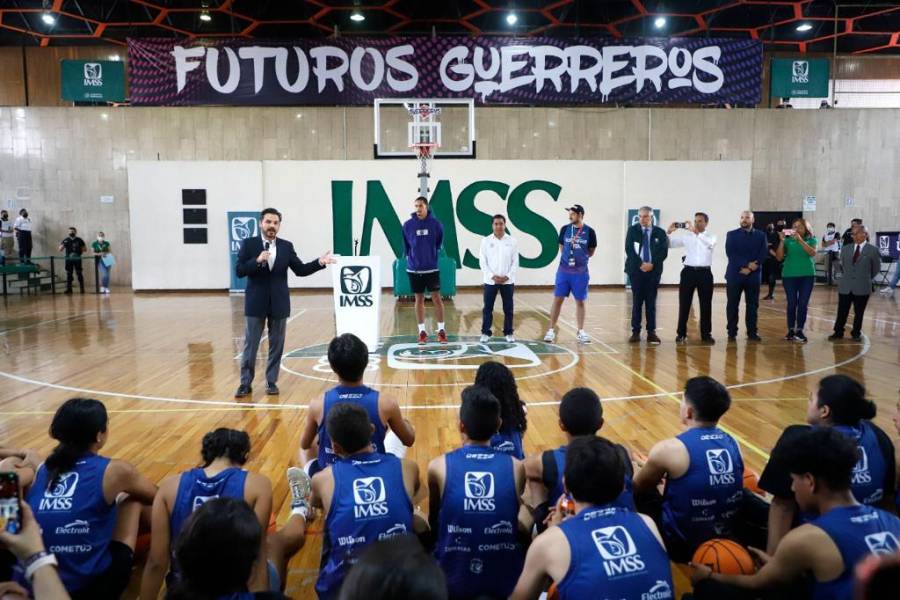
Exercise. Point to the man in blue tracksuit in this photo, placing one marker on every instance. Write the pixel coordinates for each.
(422, 237)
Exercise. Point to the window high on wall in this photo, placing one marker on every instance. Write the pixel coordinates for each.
(856, 93)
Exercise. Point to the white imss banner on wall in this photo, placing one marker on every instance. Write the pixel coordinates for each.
(359, 207)
(357, 297)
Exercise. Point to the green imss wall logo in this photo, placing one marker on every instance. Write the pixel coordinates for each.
(452, 212)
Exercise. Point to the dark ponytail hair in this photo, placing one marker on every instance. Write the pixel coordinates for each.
(215, 550)
(846, 398)
(75, 426)
(499, 380)
(229, 443)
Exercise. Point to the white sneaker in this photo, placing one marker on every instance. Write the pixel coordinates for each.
(510, 339)
(887, 291)
(301, 489)
(484, 339)
(551, 336)
(583, 337)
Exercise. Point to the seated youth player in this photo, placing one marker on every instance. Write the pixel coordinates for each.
(603, 549)
(840, 402)
(217, 550)
(88, 506)
(580, 415)
(821, 462)
(349, 357)
(474, 497)
(221, 475)
(500, 381)
(703, 470)
(366, 495)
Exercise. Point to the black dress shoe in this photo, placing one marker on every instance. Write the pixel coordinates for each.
(272, 389)
(856, 337)
(67, 292)
(635, 338)
(708, 339)
(652, 338)
(732, 338)
(681, 339)
(753, 337)
(835, 336)
(243, 390)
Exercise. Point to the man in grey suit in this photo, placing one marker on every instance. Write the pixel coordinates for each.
(860, 262)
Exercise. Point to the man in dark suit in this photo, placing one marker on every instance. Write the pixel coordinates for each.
(746, 249)
(646, 248)
(860, 262)
(264, 261)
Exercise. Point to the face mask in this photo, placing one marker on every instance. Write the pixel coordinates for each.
(25, 214)
(99, 238)
(831, 230)
(71, 235)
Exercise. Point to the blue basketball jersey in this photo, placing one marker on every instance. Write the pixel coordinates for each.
(624, 500)
(857, 531)
(509, 442)
(614, 553)
(867, 479)
(365, 397)
(195, 489)
(76, 520)
(369, 503)
(701, 504)
(477, 547)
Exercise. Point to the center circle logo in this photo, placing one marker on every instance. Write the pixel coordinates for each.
(401, 356)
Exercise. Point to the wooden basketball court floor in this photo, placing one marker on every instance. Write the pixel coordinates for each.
(165, 366)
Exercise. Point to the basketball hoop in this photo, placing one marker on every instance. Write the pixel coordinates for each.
(424, 137)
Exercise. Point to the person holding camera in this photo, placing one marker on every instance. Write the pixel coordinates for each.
(797, 250)
(695, 275)
(39, 566)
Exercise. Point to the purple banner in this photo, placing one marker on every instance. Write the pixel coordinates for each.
(493, 70)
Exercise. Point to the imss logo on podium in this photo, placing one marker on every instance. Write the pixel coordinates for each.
(356, 286)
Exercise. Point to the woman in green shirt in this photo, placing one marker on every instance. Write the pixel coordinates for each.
(798, 274)
(101, 246)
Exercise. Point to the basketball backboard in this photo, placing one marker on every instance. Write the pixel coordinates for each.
(453, 127)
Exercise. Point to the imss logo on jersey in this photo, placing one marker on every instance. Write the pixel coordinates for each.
(59, 493)
(479, 487)
(721, 467)
(369, 498)
(618, 551)
(861, 468)
(882, 542)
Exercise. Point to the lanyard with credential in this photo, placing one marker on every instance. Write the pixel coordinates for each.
(573, 238)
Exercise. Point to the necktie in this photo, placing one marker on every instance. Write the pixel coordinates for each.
(856, 254)
(645, 251)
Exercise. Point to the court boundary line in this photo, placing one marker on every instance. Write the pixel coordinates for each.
(546, 314)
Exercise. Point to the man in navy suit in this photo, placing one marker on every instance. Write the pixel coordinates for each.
(264, 261)
(747, 249)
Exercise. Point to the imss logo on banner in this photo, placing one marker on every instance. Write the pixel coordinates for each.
(356, 286)
(800, 71)
(93, 74)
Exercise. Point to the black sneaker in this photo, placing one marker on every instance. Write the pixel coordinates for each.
(243, 390)
(789, 337)
(272, 389)
(835, 336)
(856, 337)
(681, 339)
(754, 337)
(798, 335)
(708, 339)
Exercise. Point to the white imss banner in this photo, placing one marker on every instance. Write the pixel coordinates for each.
(357, 294)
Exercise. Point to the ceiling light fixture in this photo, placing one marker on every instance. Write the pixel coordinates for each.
(205, 16)
(357, 17)
(48, 18)
(512, 19)
(804, 27)
(660, 22)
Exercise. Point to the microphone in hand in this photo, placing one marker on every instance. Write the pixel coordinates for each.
(264, 255)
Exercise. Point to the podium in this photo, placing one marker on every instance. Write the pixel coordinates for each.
(357, 297)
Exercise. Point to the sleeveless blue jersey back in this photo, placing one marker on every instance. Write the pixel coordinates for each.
(369, 503)
(857, 531)
(509, 442)
(477, 547)
(195, 488)
(867, 479)
(625, 499)
(365, 397)
(614, 554)
(76, 520)
(701, 504)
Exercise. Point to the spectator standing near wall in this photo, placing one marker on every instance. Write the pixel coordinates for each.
(6, 235)
(74, 247)
(101, 246)
(797, 248)
(831, 246)
(22, 227)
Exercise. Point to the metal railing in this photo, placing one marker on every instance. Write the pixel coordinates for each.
(14, 261)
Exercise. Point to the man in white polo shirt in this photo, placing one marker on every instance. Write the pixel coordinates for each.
(499, 259)
(695, 275)
(22, 227)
